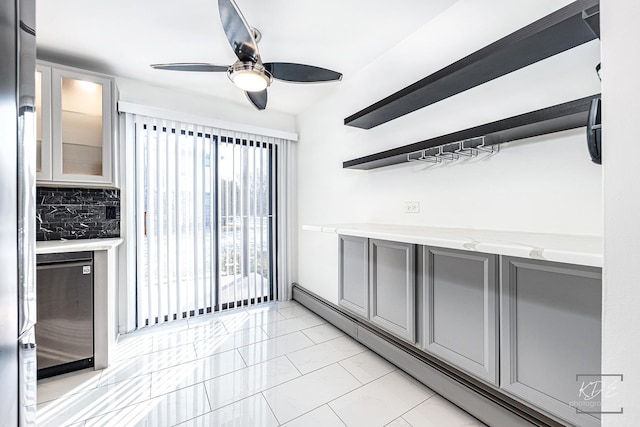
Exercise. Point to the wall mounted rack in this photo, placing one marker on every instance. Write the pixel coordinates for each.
(468, 148)
(553, 34)
(569, 115)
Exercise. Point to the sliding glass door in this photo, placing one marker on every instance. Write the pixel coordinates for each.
(206, 220)
(246, 222)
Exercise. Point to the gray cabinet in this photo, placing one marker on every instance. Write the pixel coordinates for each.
(354, 274)
(460, 315)
(392, 287)
(550, 333)
(530, 327)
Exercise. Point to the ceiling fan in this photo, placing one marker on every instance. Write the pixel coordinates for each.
(249, 73)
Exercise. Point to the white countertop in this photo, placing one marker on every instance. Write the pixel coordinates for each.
(56, 246)
(567, 248)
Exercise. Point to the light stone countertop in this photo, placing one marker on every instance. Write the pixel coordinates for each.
(567, 248)
(57, 246)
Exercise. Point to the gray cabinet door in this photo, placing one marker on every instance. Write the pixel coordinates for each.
(354, 274)
(550, 334)
(460, 315)
(392, 290)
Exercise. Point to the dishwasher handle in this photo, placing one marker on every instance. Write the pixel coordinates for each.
(87, 266)
(64, 257)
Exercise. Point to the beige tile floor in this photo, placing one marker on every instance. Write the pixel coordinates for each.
(277, 364)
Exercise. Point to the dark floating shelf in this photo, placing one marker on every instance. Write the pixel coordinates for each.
(570, 115)
(553, 34)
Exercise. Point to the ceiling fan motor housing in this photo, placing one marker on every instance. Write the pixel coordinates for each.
(250, 76)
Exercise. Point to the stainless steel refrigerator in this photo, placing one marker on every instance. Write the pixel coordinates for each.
(17, 213)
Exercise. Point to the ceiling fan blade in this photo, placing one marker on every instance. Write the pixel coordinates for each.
(301, 73)
(183, 66)
(258, 99)
(238, 31)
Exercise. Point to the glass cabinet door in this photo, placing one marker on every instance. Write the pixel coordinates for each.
(81, 127)
(82, 140)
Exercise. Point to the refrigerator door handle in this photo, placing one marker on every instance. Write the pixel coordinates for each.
(27, 361)
(26, 168)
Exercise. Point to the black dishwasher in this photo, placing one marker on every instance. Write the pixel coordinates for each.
(64, 328)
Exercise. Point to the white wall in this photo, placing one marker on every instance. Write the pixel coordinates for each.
(545, 184)
(142, 93)
(621, 151)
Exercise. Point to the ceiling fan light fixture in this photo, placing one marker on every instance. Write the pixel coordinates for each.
(249, 73)
(249, 76)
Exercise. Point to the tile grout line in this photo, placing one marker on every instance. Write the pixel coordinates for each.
(66, 395)
(153, 351)
(321, 342)
(332, 363)
(84, 421)
(294, 317)
(184, 345)
(230, 403)
(266, 360)
(307, 412)
(270, 408)
(158, 397)
(349, 372)
(195, 350)
(362, 386)
(333, 410)
(186, 386)
(312, 340)
(265, 332)
(246, 365)
(206, 393)
(253, 394)
(338, 397)
(207, 379)
(233, 333)
(289, 333)
(201, 415)
(302, 376)
(412, 408)
(293, 332)
(330, 339)
(146, 373)
(294, 365)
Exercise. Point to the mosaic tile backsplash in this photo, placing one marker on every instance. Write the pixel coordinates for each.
(74, 213)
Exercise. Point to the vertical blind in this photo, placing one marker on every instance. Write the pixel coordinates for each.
(206, 219)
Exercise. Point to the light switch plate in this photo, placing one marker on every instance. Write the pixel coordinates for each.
(411, 207)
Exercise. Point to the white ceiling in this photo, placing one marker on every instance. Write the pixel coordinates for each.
(122, 37)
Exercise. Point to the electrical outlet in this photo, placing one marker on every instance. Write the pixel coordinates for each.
(411, 207)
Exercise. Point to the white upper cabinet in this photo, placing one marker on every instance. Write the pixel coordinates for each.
(74, 127)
